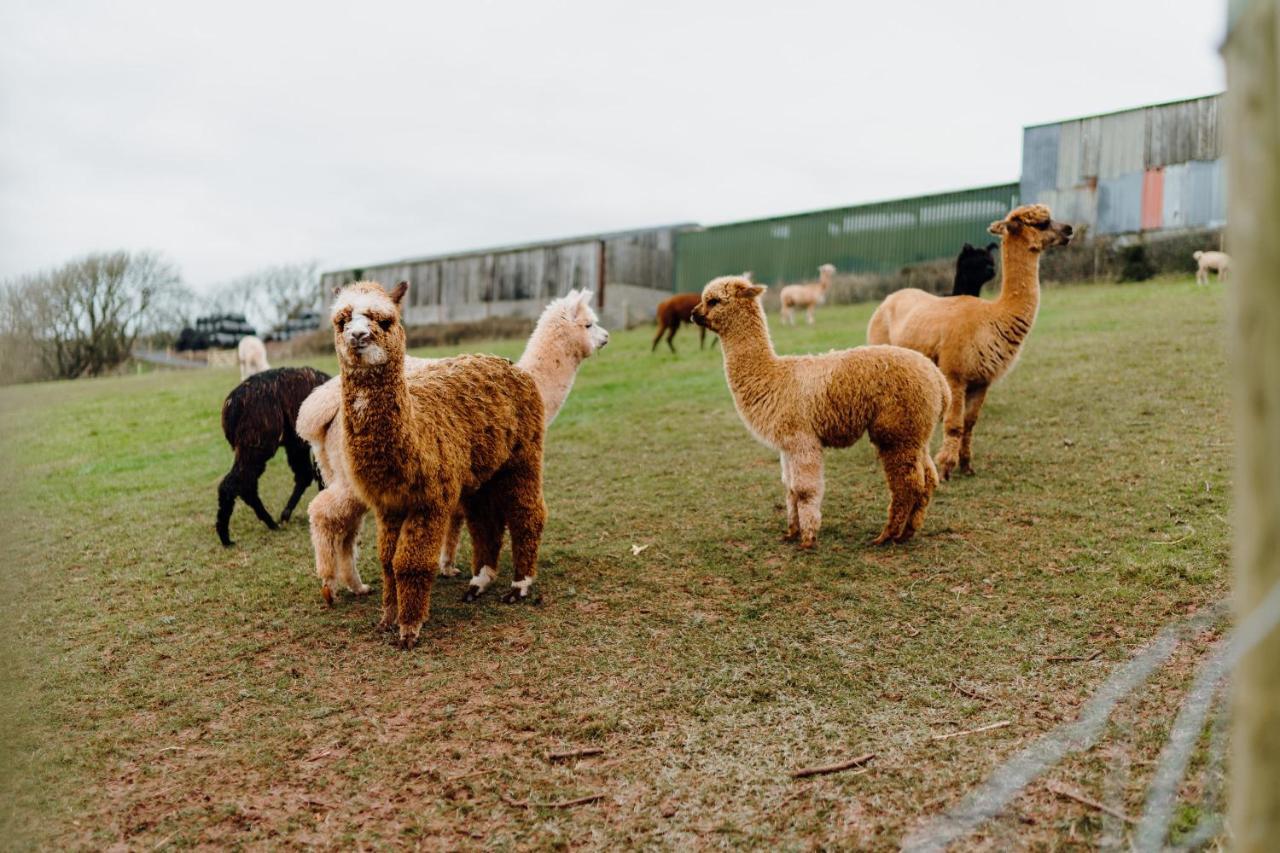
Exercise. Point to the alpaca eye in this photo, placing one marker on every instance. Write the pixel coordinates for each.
(342, 324)
(712, 301)
(386, 324)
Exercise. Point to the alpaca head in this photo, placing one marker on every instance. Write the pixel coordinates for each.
(1197, 255)
(825, 272)
(570, 321)
(727, 303)
(1033, 227)
(367, 330)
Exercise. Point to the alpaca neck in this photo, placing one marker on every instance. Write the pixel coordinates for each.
(553, 364)
(375, 409)
(750, 364)
(1019, 281)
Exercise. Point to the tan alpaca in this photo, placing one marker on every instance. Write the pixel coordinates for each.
(469, 430)
(972, 340)
(251, 353)
(1218, 262)
(807, 296)
(566, 334)
(800, 404)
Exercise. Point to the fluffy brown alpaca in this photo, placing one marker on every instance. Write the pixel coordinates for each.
(972, 340)
(799, 404)
(467, 430)
(807, 296)
(566, 334)
(671, 313)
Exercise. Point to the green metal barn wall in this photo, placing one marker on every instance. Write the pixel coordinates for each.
(881, 237)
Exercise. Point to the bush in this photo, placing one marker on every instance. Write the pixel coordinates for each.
(1134, 263)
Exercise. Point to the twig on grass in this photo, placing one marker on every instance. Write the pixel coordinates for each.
(833, 768)
(574, 753)
(1072, 794)
(985, 728)
(1074, 658)
(972, 694)
(559, 804)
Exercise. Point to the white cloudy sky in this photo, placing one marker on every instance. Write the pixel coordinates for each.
(233, 135)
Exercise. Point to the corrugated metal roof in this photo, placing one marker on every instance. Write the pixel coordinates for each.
(1125, 110)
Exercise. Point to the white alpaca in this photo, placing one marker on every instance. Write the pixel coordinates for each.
(566, 334)
(1218, 262)
(807, 296)
(252, 355)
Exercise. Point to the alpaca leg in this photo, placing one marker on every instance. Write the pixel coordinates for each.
(658, 337)
(807, 487)
(227, 491)
(448, 569)
(252, 465)
(1202, 277)
(953, 431)
(793, 512)
(298, 452)
(906, 488)
(928, 474)
(972, 406)
(786, 314)
(388, 536)
(486, 524)
(526, 516)
(702, 336)
(415, 564)
(335, 516)
(808, 313)
(675, 327)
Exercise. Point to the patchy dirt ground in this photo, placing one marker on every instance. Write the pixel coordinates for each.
(164, 692)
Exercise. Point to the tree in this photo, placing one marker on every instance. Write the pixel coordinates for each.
(272, 294)
(83, 318)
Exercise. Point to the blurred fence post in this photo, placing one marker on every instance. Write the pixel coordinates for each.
(1253, 147)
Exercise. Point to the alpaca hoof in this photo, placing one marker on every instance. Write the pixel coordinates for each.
(472, 593)
(808, 544)
(790, 537)
(884, 538)
(227, 543)
(967, 469)
(515, 596)
(284, 518)
(407, 639)
(327, 594)
(450, 571)
(383, 625)
(362, 589)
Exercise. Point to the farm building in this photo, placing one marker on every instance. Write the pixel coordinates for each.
(1145, 169)
(630, 271)
(879, 237)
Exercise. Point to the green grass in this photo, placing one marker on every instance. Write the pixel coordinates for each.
(162, 690)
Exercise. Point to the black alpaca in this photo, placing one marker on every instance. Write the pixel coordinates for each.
(974, 268)
(257, 417)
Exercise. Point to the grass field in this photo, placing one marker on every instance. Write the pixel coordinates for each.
(163, 691)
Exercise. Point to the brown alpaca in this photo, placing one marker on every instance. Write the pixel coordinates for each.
(807, 296)
(974, 341)
(671, 313)
(467, 430)
(799, 404)
(566, 333)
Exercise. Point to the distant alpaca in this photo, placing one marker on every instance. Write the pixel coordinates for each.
(806, 296)
(671, 313)
(257, 417)
(252, 354)
(566, 333)
(1218, 262)
(800, 404)
(469, 429)
(974, 341)
(974, 268)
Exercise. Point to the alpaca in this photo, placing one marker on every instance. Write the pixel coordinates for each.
(974, 341)
(468, 430)
(1218, 262)
(257, 417)
(807, 296)
(800, 404)
(974, 268)
(252, 355)
(566, 333)
(671, 313)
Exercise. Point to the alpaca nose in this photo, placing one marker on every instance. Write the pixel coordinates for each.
(1066, 229)
(358, 337)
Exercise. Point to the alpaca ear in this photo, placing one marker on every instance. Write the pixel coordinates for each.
(1005, 226)
(991, 247)
(399, 292)
(754, 290)
(337, 289)
(968, 247)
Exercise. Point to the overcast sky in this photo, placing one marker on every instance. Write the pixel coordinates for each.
(234, 135)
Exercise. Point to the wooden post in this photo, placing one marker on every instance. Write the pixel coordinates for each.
(1253, 197)
(600, 275)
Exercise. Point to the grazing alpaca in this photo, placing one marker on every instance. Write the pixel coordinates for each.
(252, 355)
(974, 268)
(671, 313)
(806, 296)
(469, 430)
(257, 417)
(800, 404)
(974, 341)
(566, 333)
(1218, 262)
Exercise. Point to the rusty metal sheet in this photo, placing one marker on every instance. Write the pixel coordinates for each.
(1152, 198)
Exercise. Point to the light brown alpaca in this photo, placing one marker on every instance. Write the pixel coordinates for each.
(469, 430)
(807, 296)
(974, 341)
(566, 333)
(799, 404)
